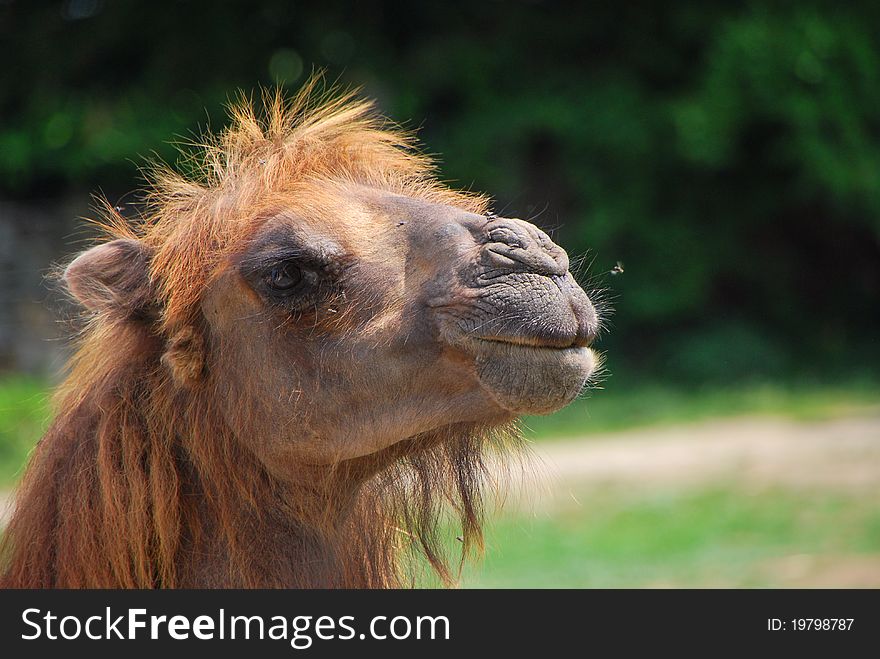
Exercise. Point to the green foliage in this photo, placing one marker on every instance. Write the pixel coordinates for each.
(726, 153)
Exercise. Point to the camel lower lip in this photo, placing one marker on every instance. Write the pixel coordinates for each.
(542, 353)
(529, 343)
(524, 379)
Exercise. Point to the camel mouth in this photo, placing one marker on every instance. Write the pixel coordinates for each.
(516, 348)
(547, 342)
(525, 377)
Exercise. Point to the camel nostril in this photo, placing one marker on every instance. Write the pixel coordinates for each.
(508, 237)
(520, 246)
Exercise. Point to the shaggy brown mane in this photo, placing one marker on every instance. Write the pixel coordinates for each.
(138, 480)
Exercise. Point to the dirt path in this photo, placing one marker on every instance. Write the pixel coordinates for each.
(841, 453)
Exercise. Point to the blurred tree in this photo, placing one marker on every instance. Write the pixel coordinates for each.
(727, 154)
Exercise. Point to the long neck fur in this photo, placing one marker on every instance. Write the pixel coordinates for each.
(139, 483)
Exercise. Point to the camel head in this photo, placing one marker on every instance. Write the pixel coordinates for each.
(334, 298)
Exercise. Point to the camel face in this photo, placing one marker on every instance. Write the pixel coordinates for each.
(517, 311)
(498, 293)
(295, 359)
(348, 326)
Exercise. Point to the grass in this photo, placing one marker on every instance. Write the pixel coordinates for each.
(24, 414)
(620, 407)
(722, 536)
(24, 410)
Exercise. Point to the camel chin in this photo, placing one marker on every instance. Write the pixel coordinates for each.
(532, 379)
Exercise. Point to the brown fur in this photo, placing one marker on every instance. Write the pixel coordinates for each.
(140, 482)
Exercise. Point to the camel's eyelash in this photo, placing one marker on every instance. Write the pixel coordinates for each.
(320, 280)
(305, 293)
(267, 259)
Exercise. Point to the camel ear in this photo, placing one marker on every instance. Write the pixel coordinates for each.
(113, 277)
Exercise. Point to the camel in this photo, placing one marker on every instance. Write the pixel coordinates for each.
(294, 361)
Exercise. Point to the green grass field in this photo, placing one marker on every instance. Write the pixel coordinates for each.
(715, 534)
(25, 410)
(24, 414)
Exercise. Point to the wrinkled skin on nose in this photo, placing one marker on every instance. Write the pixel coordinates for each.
(503, 294)
(526, 290)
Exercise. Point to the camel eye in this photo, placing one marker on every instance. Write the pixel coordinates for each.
(284, 277)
